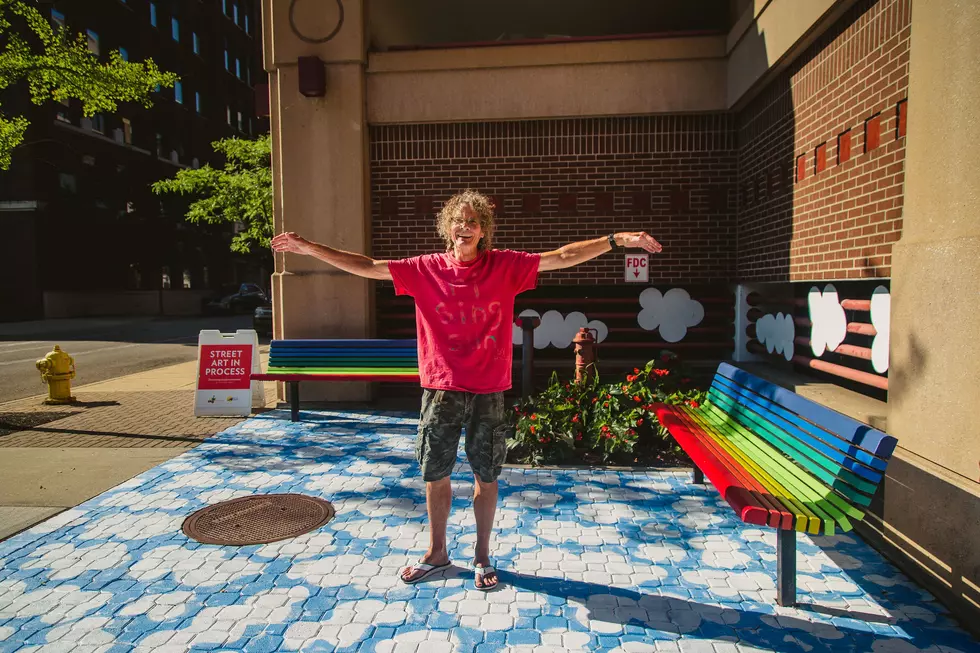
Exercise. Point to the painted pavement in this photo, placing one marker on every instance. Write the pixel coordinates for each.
(589, 560)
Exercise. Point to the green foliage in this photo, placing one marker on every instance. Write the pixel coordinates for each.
(64, 68)
(568, 420)
(241, 192)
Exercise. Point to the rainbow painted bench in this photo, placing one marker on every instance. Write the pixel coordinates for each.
(293, 361)
(780, 460)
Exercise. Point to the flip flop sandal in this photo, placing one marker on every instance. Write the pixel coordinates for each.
(480, 573)
(426, 569)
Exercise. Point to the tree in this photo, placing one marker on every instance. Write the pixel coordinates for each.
(239, 193)
(64, 68)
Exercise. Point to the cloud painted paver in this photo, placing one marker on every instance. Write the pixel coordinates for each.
(589, 560)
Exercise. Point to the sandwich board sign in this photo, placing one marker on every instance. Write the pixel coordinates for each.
(638, 268)
(224, 363)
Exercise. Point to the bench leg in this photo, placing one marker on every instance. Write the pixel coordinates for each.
(698, 476)
(786, 568)
(294, 401)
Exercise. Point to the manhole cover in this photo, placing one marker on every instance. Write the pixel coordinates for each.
(258, 519)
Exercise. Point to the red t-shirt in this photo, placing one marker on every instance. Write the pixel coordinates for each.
(464, 313)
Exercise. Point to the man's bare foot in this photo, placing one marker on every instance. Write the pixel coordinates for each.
(432, 561)
(485, 576)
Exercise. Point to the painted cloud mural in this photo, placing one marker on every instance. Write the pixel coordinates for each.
(828, 322)
(673, 313)
(558, 330)
(881, 304)
(776, 332)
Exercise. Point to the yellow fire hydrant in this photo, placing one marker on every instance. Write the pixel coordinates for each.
(57, 370)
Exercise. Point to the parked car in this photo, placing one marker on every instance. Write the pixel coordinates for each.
(262, 319)
(235, 298)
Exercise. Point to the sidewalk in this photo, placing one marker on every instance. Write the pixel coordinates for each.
(592, 560)
(55, 457)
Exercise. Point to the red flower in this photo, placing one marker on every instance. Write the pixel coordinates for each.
(631, 432)
(626, 388)
(636, 370)
(533, 429)
(543, 440)
(630, 378)
(639, 422)
(595, 399)
(578, 437)
(575, 419)
(637, 398)
(534, 416)
(693, 403)
(605, 427)
(605, 404)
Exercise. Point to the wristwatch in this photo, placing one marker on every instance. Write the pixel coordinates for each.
(612, 240)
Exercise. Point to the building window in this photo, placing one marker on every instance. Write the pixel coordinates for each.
(224, 7)
(248, 74)
(175, 29)
(160, 145)
(239, 121)
(124, 54)
(234, 10)
(248, 29)
(127, 131)
(153, 14)
(197, 101)
(93, 41)
(227, 59)
(238, 68)
(179, 92)
(196, 43)
(195, 163)
(228, 114)
(58, 18)
(98, 123)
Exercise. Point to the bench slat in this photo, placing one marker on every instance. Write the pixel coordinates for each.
(804, 487)
(790, 511)
(343, 370)
(845, 428)
(385, 378)
(778, 439)
(856, 460)
(746, 506)
(779, 516)
(829, 471)
(338, 342)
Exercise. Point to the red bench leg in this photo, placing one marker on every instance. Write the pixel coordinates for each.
(786, 568)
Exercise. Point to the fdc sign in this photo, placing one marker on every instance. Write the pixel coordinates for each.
(225, 362)
(638, 268)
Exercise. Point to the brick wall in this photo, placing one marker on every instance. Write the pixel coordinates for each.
(562, 180)
(821, 155)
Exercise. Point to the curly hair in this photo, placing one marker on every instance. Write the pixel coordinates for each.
(482, 205)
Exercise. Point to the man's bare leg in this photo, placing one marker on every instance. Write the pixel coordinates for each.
(438, 502)
(484, 507)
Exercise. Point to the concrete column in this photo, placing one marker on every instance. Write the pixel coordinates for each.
(931, 506)
(320, 175)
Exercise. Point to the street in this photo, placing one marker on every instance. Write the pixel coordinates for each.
(103, 348)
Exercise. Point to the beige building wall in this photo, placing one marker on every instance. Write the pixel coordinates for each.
(932, 498)
(682, 75)
(320, 178)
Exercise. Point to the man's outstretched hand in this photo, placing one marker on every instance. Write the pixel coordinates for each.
(639, 239)
(289, 242)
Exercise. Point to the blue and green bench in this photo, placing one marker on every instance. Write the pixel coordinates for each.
(780, 460)
(295, 361)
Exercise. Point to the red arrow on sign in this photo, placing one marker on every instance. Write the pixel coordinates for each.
(636, 273)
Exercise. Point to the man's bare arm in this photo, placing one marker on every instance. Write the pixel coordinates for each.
(362, 266)
(585, 250)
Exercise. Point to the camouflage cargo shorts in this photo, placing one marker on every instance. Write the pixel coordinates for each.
(445, 414)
